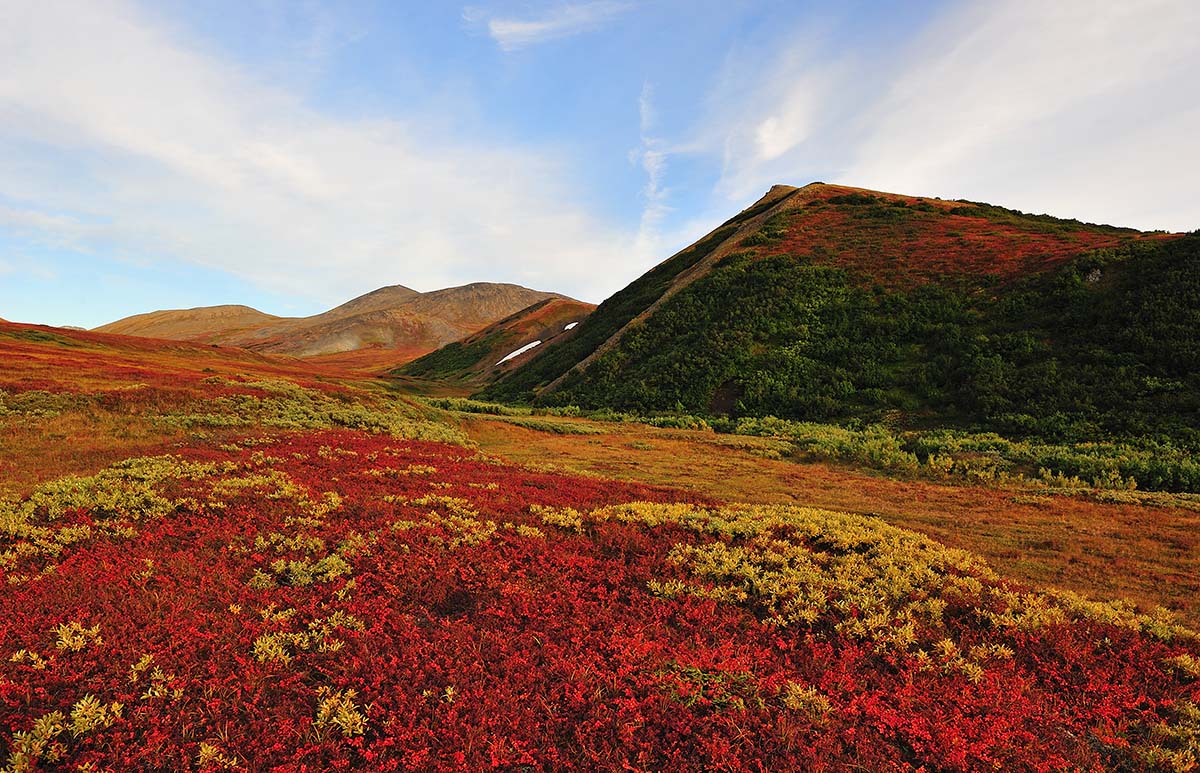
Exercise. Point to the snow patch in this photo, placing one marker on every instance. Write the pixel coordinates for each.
(568, 327)
(519, 352)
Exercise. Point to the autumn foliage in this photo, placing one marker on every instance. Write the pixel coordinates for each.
(299, 581)
(899, 240)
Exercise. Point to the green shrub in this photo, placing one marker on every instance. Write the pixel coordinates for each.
(464, 405)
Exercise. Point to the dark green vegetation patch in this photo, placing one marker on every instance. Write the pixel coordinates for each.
(454, 360)
(1104, 346)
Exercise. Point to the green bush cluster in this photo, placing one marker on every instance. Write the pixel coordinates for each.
(555, 427)
(1048, 223)
(873, 446)
(465, 405)
(454, 360)
(980, 457)
(38, 403)
(775, 228)
(987, 457)
(41, 337)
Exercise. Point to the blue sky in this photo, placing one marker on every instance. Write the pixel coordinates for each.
(292, 155)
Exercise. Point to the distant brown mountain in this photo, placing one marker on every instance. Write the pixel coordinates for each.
(207, 323)
(396, 318)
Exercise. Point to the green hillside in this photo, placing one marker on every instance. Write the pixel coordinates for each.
(915, 312)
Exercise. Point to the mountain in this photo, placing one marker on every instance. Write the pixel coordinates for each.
(398, 319)
(501, 346)
(201, 324)
(830, 302)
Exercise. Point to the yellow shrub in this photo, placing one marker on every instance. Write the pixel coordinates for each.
(90, 714)
(39, 743)
(868, 580)
(338, 710)
(211, 756)
(74, 637)
(805, 700)
(565, 518)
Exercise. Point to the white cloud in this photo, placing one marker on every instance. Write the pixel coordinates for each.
(652, 156)
(557, 21)
(138, 145)
(646, 114)
(1089, 109)
(1078, 108)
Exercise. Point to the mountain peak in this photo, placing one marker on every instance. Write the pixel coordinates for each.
(395, 318)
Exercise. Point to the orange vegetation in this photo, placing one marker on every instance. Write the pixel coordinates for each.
(1146, 554)
(133, 378)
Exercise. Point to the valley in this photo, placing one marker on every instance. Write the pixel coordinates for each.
(831, 489)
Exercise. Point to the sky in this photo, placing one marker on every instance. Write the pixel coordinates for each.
(293, 155)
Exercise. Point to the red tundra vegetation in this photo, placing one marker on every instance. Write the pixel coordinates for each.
(902, 241)
(319, 577)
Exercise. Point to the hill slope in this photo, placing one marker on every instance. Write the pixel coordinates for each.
(199, 324)
(395, 318)
(833, 302)
(502, 346)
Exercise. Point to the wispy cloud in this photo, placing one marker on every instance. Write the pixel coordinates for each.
(1089, 109)
(23, 265)
(557, 21)
(115, 136)
(651, 155)
(1073, 107)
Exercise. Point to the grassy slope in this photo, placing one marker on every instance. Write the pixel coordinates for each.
(309, 581)
(74, 401)
(847, 304)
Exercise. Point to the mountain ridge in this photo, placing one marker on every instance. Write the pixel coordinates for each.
(394, 317)
(775, 195)
(196, 323)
